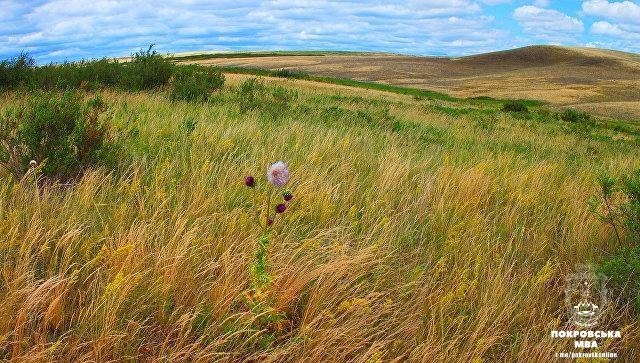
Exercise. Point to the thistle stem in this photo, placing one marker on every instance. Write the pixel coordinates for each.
(268, 208)
(33, 171)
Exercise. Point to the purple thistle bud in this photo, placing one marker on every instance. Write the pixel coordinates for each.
(269, 221)
(287, 196)
(249, 181)
(280, 208)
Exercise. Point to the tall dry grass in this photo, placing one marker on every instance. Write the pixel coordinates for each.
(449, 246)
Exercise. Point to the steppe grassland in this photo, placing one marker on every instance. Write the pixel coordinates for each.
(436, 238)
(597, 81)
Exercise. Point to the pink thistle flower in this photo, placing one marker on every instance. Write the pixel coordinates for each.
(280, 208)
(278, 174)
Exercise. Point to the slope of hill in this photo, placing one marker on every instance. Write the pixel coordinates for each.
(599, 81)
(419, 230)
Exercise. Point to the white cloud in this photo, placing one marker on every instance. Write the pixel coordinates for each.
(548, 24)
(622, 25)
(56, 29)
(59, 29)
(625, 11)
(606, 28)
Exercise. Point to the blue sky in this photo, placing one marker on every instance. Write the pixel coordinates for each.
(58, 30)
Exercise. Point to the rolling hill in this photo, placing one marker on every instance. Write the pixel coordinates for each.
(598, 81)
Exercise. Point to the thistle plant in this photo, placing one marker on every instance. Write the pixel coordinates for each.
(266, 213)
(270, 201)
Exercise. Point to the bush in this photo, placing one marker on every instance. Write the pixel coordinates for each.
(631, 209)
(574, 116)
(193, 83)
(623, 273)
(515, 106)
(17, 71)
(290, 73)
(147, 70)
(60, 131)
(251, 93)
(579, 122)
(623, 267)
(104, 73)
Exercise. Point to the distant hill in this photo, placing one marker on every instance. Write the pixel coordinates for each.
(604, 82)
(545, 56)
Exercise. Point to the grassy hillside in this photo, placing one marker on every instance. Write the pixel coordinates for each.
(191, 56)
(598, 81)
(421, 229)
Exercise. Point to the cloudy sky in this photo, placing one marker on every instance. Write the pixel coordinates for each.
(58, 30)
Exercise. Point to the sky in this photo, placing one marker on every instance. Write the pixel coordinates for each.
(69, 30)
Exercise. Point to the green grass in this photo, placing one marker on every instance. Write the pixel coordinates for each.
(453, 105)
(421, 229)
(415, 92)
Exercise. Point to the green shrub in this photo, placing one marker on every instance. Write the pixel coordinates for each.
(623, 267)
(290, 73)
(251, 94)
(623, 273)
(17, 71)
(147, 70)
(578, 122)
(62, 132)
(574, 116)
(193, 83)
(515, 106)
(631, 209)
(104, 73)
(254, 94)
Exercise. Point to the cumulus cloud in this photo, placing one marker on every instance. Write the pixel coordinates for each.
(548, 24)
(606, 28)
(60, 29)
(55, 30)
(625, 11)
(621, 27)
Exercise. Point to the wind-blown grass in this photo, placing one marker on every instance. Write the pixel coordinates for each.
(416, 235)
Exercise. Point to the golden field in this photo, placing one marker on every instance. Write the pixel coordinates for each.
(598, 81)
(414, 234)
